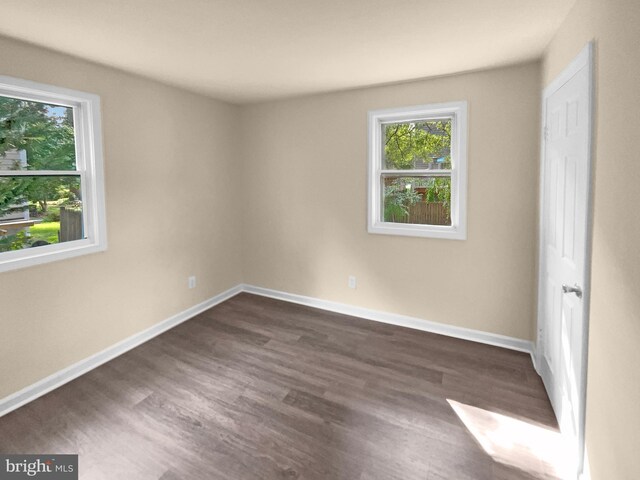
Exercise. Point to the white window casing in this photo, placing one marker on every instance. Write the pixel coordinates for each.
(89, 167)
(457, 112)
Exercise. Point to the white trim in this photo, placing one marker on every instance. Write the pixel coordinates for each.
(583, 465)
(584, 59)
(478, 336)
(50, 253)
(35, 173)
(72, 372)
(57, 379)
(457, 112)
(89, 166)
(445, 172)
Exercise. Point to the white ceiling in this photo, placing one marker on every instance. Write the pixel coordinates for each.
(254, 50)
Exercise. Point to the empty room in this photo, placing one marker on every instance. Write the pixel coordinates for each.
(341, 240)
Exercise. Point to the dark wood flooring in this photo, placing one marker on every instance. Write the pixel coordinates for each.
(257, 388)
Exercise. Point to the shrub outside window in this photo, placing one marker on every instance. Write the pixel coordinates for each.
(417, 171)
(51, 180)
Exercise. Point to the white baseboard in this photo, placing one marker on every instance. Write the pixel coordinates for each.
(30, 393)
(401, 320)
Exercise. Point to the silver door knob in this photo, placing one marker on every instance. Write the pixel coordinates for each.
(575, 289)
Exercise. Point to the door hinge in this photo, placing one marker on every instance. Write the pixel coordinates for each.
(545, 133)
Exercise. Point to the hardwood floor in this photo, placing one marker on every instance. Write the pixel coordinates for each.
(256, 388)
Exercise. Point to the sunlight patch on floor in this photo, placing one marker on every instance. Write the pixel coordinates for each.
(514, 442)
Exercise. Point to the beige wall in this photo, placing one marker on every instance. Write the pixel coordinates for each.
(172, 168)
(176, 191)
(305, 226)
(613, 390)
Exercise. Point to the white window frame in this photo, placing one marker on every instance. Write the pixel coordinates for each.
(457, 112)
(89, 166)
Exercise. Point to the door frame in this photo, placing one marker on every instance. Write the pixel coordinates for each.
(585, 59)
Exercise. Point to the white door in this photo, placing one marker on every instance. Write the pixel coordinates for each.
(565, 248)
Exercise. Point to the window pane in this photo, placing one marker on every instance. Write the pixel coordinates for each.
(36, 136)
(417, 145)
(417, 200)
(37, 211)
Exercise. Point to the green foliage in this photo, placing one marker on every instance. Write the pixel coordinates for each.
(439, 191)
(47, 231)
(398, 198)
(52, 215)
(402, 192)
(408, 144)
(416, 145)
(19, 240)
(48, 139)
(13, 193)
(49, 143)
(14, 242)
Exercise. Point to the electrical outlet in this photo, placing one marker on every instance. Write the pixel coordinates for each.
(352, 281)
(192, 281)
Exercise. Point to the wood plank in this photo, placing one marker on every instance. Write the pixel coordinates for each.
(256, 388)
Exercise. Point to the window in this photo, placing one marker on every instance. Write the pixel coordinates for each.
(417, 171)
(51, 185)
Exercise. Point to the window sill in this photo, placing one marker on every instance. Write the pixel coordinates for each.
(49, 253)
(413, 230)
